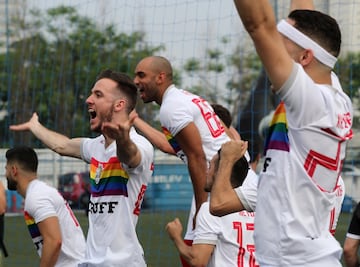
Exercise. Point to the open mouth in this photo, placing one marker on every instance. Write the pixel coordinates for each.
(92, 113)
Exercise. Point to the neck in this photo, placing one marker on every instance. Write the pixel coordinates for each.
(320, 75)
(22, 187)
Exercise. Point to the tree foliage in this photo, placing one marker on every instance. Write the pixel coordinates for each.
(348, 71)
(53, 64)
(241, 69)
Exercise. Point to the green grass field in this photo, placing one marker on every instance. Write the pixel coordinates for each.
(159, 250)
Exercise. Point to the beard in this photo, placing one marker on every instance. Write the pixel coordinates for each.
(104, 118)
(11, 184)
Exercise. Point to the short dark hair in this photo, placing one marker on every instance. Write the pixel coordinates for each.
(25, 156)
(320, 27)
(125, 84)
(223, 113)
(239, 171)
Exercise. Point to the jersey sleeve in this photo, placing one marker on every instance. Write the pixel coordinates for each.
(247, 193)
(175, 115)
(207, 226)
(41, 206)
(85, 149)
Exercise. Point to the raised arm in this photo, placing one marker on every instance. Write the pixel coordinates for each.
(223, 198)
(301, 4)
(119, 130)
(53, 140)
(259, 21)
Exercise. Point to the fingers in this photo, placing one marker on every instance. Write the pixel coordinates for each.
(133, 115)
(173, 224)
(233, 150)
(26, 125)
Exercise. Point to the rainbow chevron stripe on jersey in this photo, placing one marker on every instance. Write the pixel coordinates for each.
(111, 180)
(277, 137)
(171, 140)
(32, 226)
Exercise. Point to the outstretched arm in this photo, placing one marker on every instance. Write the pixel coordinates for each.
(155, 137)
(53, 140)
(223, 198)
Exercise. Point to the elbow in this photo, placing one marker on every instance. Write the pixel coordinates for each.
(195, 262)
(58, 244)
(217, 209)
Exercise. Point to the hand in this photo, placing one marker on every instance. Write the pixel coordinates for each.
(26, 126)
(133, 114)
(118, 130)
(233, 150)
(174, 229)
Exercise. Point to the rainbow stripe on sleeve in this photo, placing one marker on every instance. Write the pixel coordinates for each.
(278, 138)
(112, 181)
(32, 226)
(171, 140)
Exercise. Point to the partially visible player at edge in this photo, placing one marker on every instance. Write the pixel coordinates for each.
(53, 227)
(306, 142)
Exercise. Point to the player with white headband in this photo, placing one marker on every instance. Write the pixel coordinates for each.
(306, 142)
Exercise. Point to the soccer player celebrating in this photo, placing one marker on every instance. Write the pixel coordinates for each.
(306, 141)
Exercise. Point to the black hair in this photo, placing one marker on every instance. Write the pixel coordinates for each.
(320, 27)
(25, 156)
(125, 84)
(223, 113)
(239, 171)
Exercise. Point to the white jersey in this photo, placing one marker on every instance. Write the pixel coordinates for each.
(336, 210)
(232, 236)
(296, 191)
(43, 201)
(178, 109)
(247, 192)
(117, 192)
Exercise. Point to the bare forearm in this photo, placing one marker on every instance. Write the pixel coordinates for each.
(197, 170)
(128, 152)
(184, 250)
(351, 261)
(50, 253)
(223, 198)
(301, 4)
(255, 13)
(53, 140)
(156, 137)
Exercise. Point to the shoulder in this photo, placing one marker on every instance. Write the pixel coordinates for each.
(141, 142)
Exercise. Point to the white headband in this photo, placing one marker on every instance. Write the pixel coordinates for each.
(305, 42)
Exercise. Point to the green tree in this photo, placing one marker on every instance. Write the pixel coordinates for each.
(348, 71)
(242, 68)
(52, 67)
